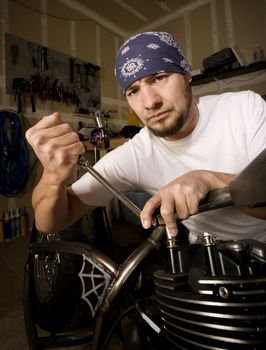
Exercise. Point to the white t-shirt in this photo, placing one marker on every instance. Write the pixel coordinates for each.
(230, 133)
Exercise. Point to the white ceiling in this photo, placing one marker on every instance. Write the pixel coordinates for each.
(124, 17)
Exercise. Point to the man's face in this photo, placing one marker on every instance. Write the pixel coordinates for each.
(162, 102)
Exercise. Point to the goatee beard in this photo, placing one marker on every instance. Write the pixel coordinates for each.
(179, 121)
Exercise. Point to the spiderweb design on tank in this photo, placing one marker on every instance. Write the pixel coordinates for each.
(94, 281)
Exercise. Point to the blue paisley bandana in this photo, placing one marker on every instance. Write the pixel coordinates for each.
(146, 54)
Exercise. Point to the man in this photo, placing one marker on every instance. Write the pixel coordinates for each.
(186, 148)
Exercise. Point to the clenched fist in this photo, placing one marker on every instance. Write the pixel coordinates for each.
(57, 146)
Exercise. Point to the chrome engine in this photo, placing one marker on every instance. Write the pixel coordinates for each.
(216, 298)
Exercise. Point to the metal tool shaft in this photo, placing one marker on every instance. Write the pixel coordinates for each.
(83, 162)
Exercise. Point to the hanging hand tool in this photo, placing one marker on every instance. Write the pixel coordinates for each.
(19, 85)
(33, 109)
(71, 69)
(42, 58)
(45, 60)
(90, 71)
(78, 82)
(14, 53)
(75, 99)
(53, 91)
(19, 95)
(33, 58)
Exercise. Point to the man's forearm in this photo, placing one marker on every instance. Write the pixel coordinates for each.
(50, 203)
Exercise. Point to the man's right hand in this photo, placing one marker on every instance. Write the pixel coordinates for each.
(57, 146)
(180, 198)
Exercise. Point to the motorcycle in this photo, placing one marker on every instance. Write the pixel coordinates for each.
(166, 294)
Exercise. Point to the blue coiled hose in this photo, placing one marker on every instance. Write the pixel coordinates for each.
(14, 155)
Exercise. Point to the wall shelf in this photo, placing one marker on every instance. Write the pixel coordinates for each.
(201, 79)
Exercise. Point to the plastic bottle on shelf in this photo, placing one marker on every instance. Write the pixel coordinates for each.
(257, 53)
(24, 222)
(17, 223)
(1, 228)
(7, 226)
(12, 223)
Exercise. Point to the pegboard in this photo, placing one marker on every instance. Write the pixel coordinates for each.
(40, 72)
